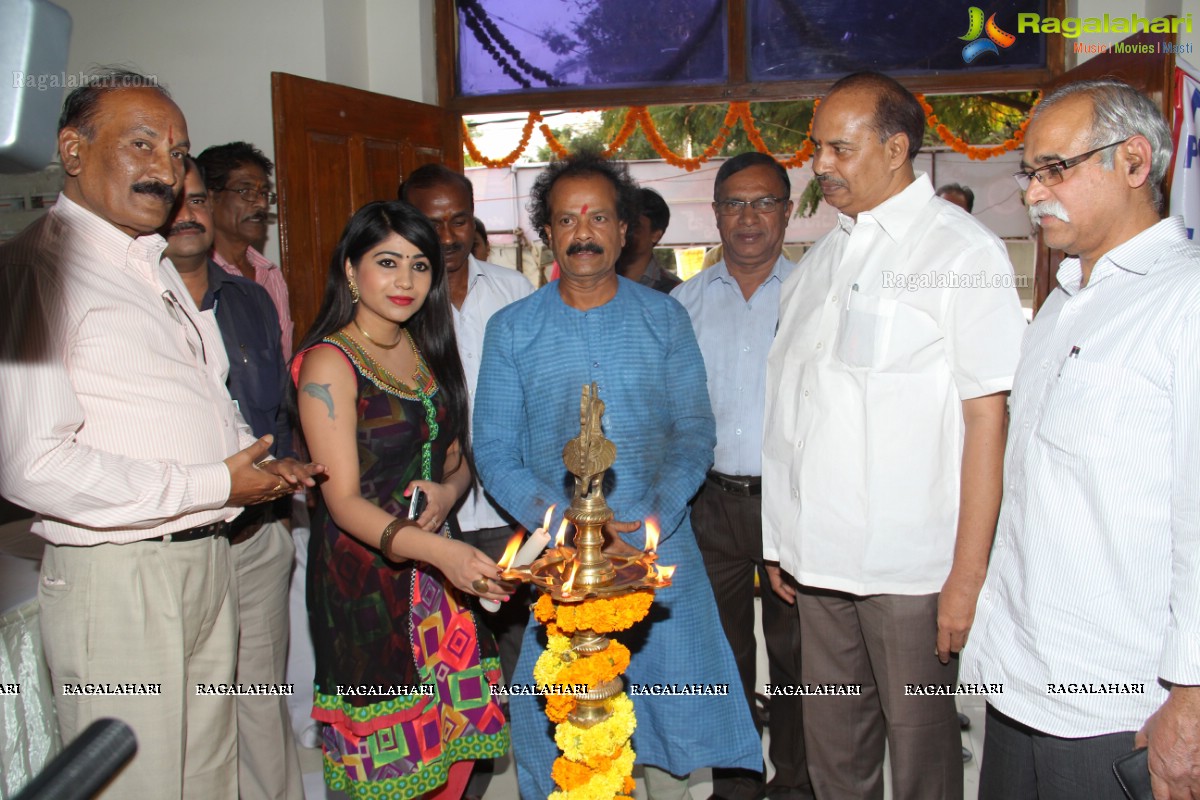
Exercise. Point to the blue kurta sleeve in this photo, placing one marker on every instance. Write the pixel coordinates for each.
(499, 430)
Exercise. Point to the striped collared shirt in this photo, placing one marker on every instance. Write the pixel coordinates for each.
(1093, 592)
(114, 417)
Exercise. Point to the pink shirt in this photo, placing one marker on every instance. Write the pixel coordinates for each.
(269, 276)
(114, 417)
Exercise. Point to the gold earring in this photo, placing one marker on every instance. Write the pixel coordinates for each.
(355, 296)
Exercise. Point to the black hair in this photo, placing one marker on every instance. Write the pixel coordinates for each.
(751, 159)
(428, 176)
(80, 108)
(220, 160)
(481, 229)
(585, 162)
(432, 326)
(958, 188)
(896, 109)
(654, 208)
(193, 164)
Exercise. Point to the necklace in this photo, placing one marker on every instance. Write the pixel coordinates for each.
(380, 345)
(424, 388)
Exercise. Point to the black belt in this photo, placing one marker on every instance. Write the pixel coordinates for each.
(745, 485)
(221, 528)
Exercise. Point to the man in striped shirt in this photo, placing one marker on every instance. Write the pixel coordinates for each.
(117, 430)
(1089, 620)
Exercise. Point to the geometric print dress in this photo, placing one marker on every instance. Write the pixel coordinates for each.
(402, 670)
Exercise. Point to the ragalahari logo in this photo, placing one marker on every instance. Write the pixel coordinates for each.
(995, 36)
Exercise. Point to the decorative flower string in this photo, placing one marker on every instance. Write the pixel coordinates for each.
(511, 158)
(975, 152)
(597, 761)
(737, 112)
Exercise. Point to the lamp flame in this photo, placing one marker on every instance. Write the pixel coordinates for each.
(510, 552)
(561, 536)
(549, 514)
(570, 584)
(665, 573)
(652, 534)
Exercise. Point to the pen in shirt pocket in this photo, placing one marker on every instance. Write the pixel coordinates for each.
(1073, 354)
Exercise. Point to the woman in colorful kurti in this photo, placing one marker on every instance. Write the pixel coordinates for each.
(402, 670)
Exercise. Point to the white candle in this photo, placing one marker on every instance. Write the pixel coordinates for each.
(530, 550)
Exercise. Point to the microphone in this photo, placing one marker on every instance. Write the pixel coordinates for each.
(79, 771)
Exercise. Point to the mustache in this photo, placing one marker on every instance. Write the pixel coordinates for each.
(584, 247)
(186, 226)
(829, 179)
(257, 216)
(451, 249)
(1047, 208)
(155, 189)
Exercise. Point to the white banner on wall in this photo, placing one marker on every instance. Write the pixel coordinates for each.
(1185, 179)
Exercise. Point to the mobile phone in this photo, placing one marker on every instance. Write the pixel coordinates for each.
(416, 503)
(1133, 773)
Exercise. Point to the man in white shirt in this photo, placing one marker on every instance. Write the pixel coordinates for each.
(734, 308)
(882, 447)
(477, 291)
(116, 428)
(1088, 626)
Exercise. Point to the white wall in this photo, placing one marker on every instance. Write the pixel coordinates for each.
(1126, 8)
(217, 56)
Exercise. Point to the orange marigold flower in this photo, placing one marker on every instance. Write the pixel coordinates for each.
(558, 706)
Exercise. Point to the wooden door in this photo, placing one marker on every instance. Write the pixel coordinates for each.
(1152, 73)
(337, 148)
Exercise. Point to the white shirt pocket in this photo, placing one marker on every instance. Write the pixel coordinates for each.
(865, 330)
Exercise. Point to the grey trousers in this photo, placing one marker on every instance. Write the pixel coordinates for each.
(881, 642)
(1020, 763)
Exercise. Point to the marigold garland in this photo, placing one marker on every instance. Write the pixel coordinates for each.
(605, 785)
(603, 738)
(599, 614)
(597, 762)
(511, 158)
(975, 152)
(738, 112)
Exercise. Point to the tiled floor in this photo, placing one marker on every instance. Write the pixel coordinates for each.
(504, 784)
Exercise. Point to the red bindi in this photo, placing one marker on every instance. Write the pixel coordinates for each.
(584, 210)
(171, 135)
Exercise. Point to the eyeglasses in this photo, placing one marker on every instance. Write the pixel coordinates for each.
(763, 205)
(249, 195)
(1052, 174)
(179, 314)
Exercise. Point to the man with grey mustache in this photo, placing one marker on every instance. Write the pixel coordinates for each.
(1090, 614)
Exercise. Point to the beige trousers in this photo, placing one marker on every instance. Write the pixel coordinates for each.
(268, 766)
(147, 616)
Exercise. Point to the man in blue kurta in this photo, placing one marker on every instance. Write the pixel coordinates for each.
(638, 346)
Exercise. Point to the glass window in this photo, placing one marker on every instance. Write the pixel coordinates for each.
(530, 45)
(818, 39)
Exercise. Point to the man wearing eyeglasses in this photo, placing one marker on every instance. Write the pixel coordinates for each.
(1090, 615)
(268, 765)
(238, 175)
(886, 384)
(117, 430)
(734, 308)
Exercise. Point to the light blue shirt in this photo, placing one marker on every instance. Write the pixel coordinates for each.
(735, 335)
